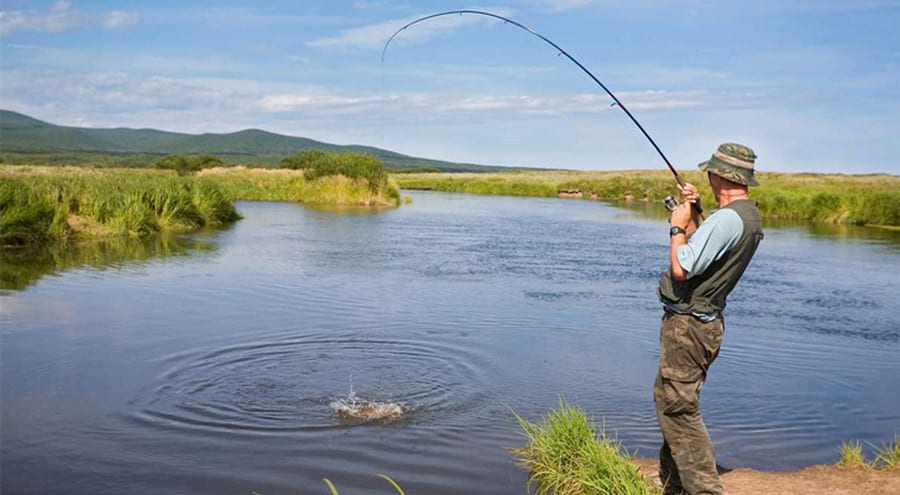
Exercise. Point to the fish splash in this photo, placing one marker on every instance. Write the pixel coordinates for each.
(355, 409)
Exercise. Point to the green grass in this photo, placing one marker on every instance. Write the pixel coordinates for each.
(829, 198)
(887, 456)
(239, 183)
(852, 455)
(567, 455)
(385, 477)
(40, 205)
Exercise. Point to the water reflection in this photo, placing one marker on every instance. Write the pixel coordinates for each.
(22, 267)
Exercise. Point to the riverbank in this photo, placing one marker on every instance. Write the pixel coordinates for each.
(812, 480)
(832, 198)
(40, 205)
(567, 454)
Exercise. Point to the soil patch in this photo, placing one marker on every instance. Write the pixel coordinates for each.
(813, 480)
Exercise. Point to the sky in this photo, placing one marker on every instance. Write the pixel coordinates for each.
(810, 85)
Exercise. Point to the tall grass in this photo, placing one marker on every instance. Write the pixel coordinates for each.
(832, 198)
(43, 204)
(566, 455)
(40, 205)
(852, 455)
(294, 185)
(887, 456)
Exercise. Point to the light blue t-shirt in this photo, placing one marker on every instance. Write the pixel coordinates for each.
(715, 236)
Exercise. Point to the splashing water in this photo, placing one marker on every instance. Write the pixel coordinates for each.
(356, 409)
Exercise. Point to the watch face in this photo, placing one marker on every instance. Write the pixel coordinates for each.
(676, 230)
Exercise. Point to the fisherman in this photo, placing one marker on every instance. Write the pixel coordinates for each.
(706, 261)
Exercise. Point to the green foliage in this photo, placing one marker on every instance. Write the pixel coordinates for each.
(42, 205)
(888, 456)
(851, 455)
(350, 165)
(26, 215)
(565, 456)
(859, 200)
(305, 159)
(189, 164)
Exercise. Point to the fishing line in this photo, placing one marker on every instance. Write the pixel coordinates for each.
(506, 20)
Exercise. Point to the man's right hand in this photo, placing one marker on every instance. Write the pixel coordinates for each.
(689, 193)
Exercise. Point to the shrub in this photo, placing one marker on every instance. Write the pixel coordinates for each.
(304, 159)
(317, 163)
(190, 164)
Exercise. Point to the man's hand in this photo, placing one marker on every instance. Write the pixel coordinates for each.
(681, 216)
(689, 193)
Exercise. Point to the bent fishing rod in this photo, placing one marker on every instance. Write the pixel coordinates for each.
(506, 20)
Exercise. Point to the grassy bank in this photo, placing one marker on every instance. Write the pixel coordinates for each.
(239, 183)
(40, 205)
(566, 455)
(834, 198)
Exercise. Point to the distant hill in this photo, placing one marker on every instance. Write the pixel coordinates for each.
(23, 138)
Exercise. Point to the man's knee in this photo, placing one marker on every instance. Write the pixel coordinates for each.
(674, 397)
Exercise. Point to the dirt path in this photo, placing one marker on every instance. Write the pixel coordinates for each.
(813, 480)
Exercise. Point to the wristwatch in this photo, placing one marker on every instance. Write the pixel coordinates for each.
(676, 230)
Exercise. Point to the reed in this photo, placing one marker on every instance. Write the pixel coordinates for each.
(239, 183)
(566, 455)
(49, 204)
(385, 477)
(41, 205)
(831, 198)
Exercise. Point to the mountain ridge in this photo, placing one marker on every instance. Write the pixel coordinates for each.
(23, 136)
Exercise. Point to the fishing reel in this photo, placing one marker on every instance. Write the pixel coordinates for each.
(670, 202)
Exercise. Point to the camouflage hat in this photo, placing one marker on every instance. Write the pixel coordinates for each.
(732, 162)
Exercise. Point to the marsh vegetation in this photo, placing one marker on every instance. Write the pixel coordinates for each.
(40, 205)
(832, 198)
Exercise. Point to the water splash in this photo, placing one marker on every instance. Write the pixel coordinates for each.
(358, 410)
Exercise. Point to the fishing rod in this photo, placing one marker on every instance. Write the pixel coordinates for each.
(506, 20)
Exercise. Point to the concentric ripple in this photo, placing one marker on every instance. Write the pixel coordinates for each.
(292, 384)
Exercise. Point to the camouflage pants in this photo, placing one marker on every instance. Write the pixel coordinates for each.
(687, 459)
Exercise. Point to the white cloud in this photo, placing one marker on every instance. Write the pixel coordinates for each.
(562, 5)
(118, 18)
(126, 95)
(373, 36)
(61, 17)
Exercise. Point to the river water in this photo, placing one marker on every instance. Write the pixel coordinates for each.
(209, 363)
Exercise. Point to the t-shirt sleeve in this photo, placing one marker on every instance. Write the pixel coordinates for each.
(719, 233)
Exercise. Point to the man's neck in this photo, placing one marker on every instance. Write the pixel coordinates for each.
(728, 195)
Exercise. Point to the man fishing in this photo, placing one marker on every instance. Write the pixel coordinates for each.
(706, 261)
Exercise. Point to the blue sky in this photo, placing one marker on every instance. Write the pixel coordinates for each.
(811, 85)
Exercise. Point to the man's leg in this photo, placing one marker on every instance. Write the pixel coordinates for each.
(687, 348)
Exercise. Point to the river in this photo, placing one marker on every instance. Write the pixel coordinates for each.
(209, 363)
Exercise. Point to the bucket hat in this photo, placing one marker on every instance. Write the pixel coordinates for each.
(732, 162)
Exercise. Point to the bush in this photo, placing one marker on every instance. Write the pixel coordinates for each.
(304, 159)
(190, 164)
(316, 164)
